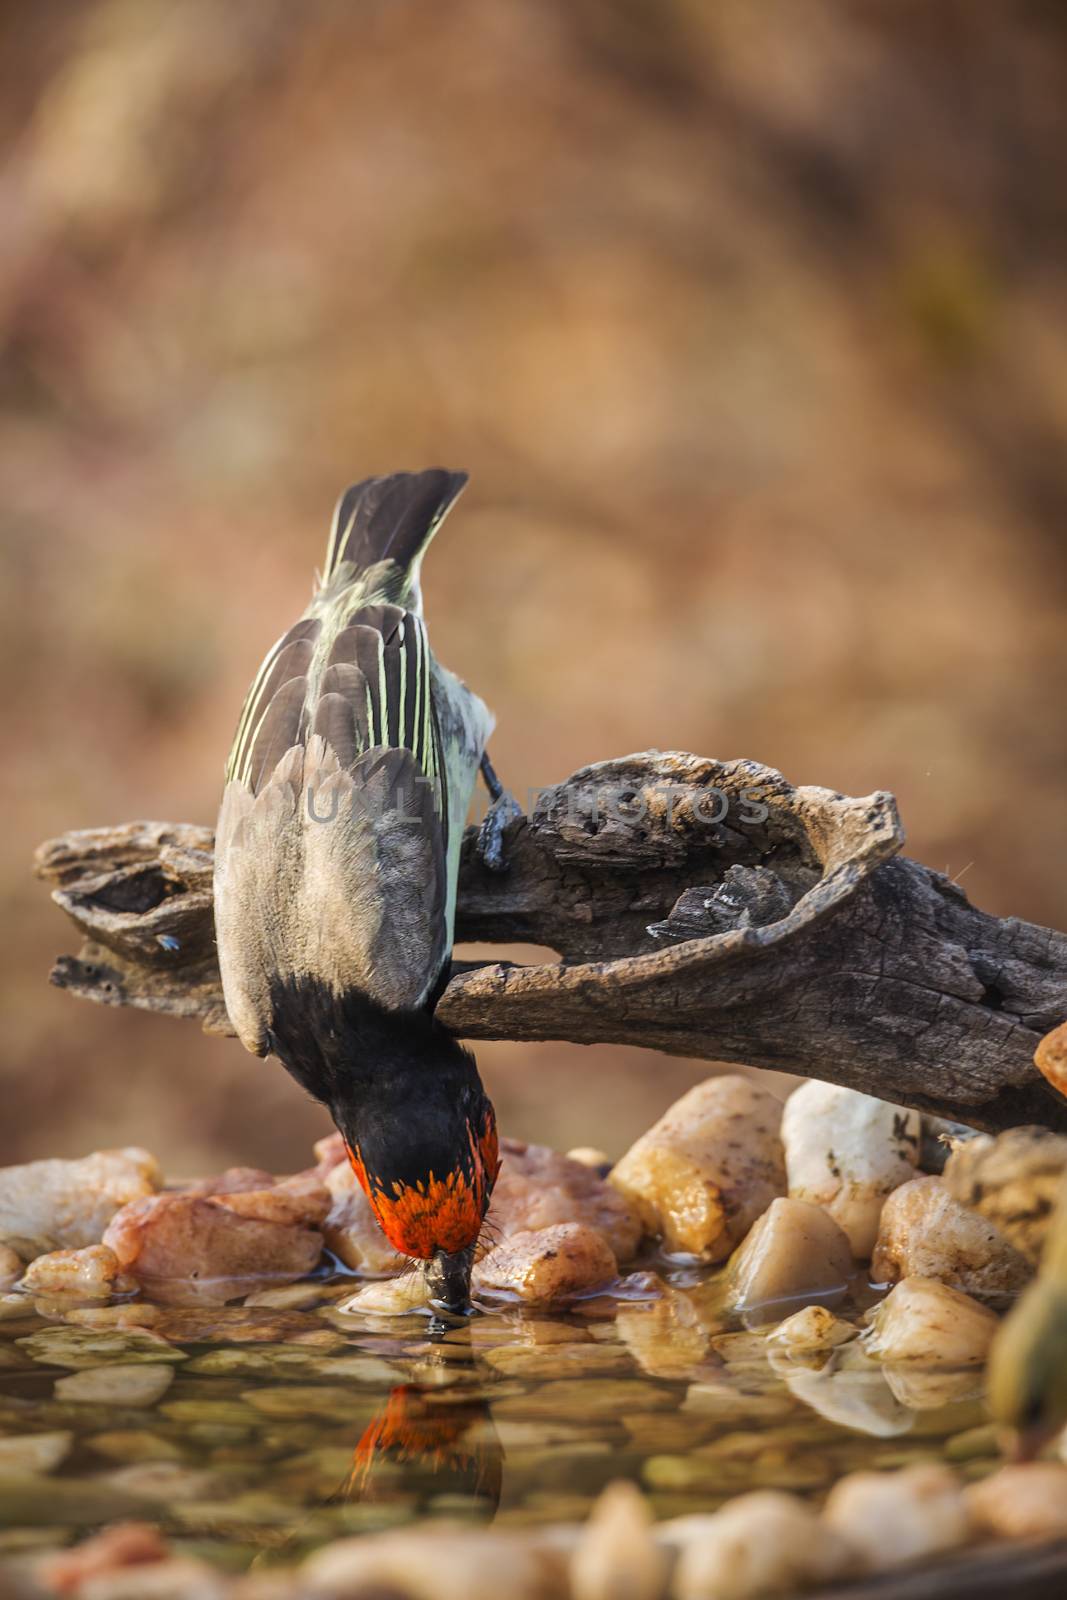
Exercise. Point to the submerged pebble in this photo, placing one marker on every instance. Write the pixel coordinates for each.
(117, 1384)
(34, 1452)
(78, 1347)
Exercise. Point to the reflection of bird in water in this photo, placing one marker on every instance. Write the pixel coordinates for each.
(1028, 1364)
(441, 1444)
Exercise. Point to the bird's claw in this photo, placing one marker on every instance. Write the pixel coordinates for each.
(502, 811)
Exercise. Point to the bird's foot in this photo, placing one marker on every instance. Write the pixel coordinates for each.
(503, 809)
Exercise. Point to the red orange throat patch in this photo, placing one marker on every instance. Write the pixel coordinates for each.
(435, 1213)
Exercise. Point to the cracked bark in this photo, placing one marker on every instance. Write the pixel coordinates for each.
(700, 908)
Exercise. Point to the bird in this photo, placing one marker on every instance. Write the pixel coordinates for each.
(336, 863)
(1027, 1370)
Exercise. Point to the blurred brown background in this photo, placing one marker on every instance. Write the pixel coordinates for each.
(748, 322)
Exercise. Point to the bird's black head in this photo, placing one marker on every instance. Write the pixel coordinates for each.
(419, 1128)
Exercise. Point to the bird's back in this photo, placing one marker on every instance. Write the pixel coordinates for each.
(349, 779)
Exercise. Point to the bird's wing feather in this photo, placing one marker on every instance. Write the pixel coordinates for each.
(332, 855)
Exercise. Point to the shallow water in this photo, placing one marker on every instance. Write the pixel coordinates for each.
(289, 1424)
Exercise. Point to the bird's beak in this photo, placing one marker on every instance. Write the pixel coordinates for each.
(448, 1278)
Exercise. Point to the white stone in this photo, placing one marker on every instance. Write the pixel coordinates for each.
(846, 1152)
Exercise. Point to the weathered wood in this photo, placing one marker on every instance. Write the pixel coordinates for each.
(700, 908)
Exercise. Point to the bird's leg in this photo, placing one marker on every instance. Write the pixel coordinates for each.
(502, 809)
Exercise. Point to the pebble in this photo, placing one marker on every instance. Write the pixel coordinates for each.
(34, 1452)
(926, 1233)
(117, 1384)
(89, 1347)
(11, 1268)
(546, 1265)
(892, 1519)
(1027, 1500)
(795, 1254)
(616, 1556)
(305, 1400)
(132, 1444)
(448, 1563)
(758, 1544)
(559, 1360)
(585, 1398)
(708, 1168)
(928, 1324)
(846, 1152)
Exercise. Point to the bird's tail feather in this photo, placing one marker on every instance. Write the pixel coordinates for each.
(389, 519)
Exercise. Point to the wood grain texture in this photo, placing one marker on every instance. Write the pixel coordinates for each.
(699, 907)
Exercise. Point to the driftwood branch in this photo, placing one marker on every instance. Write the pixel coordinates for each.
(699, 907)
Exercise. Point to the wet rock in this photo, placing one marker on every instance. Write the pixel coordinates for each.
(87, 1502)
(1027, 1500)
(132, 1445)
(760, 1544)
(846, 1152)
(852, 1398)
(129, 1544)
(927, 1324)
(547, 1265)
(795, 1253)
(921, 1390)
(559, 1360)
(189, 1249)
(88, 1274)
(241, 1325)
(708, 1168)
(588, 1155)
(394, 1297)
(1011, 1180)
(926, 1233)
(66, 1205)
(178, 1578)
(351, 1229)
(164, 1482)
(666, 1336)
(442, 1563)
(617, 1557)
(288, 1361)
(77, 1347)
(34, 1452)
(538, 1188)
(235, 1180)
(10, 1268)
(226, 1414)
(306, 1400)
(330, 1152)
(586, 1398)
(810, 1332)
(892, 1519)
(117, 1384)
